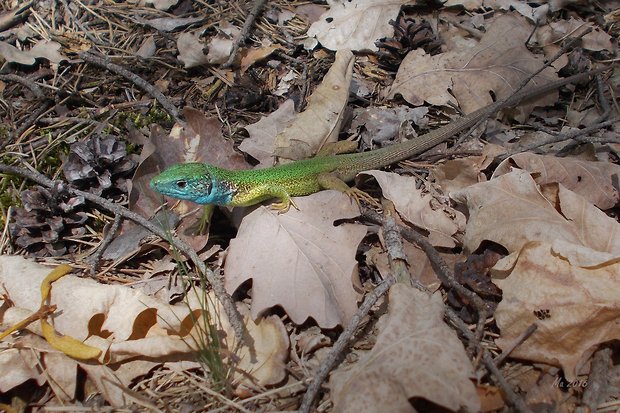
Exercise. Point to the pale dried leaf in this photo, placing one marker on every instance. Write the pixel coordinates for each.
(220, 48)
(310, 12)
(550, 35)
(147, 48)
(416, 355)
(536, 14)
(263, 133)
(20, 363)
(127, 325)
(356, 25)
(379, 124)
(496, 65)
(271, 345)
(285, 83)
(511, 210)
(420, 266)
(47, 49)
(456, 174)
(320, 122)
(168, 24)
(579, 305)
(311, 274)
(191, 52)
(441, 221)
(43, 49)
(593, 180)
(162, 4)
(255, 54)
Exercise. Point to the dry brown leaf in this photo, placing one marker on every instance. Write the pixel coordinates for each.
(191, 52)
(162, 4)
(356, 25)
(127, 326)
(379, 124)
(309, 12)
(466, 4)
(593, 180)
(299, 260)
(551, 36)
(511, 210)
(421, 210)
(536, 13)
(43, 49)
(575, 308)
(263, 133)
(416, 355)
(320, 122)
(20, 363)
(455, 174)
(169, 24)
(420, 266)
(496, 65)
(255, 54)
(147, 48)
(271, 345)
(192, 49)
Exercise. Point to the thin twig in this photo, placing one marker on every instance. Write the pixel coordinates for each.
(135, 79)
(518, 341)
(247, 26)
(218, 287)
(107, 240)
(342, 343)
(442, 270)
(79, 24)
(527, 80)
(36, 90)
(575, 134)
(511, 397)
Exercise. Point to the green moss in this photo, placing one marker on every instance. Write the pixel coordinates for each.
(154, 115)
(4, 133)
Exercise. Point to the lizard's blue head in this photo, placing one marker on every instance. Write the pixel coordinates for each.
(196, 182)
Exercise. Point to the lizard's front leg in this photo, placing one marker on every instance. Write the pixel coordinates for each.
(285, 199)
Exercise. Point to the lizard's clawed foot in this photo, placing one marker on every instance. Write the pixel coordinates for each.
(283, 206)
(358, 195)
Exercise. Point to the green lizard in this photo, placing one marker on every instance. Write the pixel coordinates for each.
(207, 184)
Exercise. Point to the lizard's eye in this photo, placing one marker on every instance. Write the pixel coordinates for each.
(181, 184)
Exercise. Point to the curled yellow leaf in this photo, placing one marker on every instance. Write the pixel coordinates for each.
(57, 273)
(68, 345)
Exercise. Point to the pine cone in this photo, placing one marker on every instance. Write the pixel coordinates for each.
(409, 34)
(99, 164)
(47, 217)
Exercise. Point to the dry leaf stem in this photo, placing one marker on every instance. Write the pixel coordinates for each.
(218, 287)
(394, 244)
